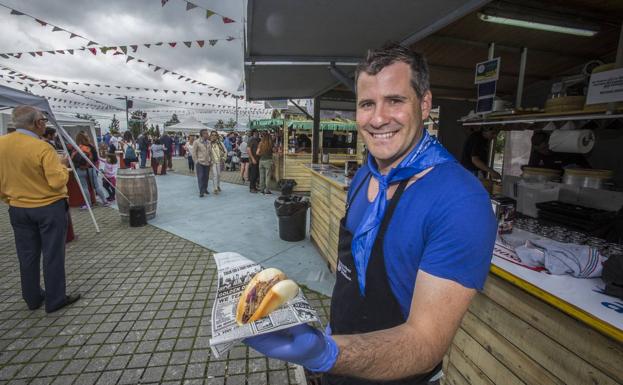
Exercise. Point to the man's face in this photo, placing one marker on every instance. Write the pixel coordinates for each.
(389, 113)
(205, 135)
(40, 124)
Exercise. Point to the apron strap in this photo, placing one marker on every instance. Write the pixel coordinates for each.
(391, 208)
(356, 191)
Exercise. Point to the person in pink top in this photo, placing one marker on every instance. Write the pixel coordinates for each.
(110, 172)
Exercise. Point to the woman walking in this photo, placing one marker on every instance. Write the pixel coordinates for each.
(265, 153)
(129, 152)
(218, 157)
(157, 156)
(244, 159)
(86, 173)
(188, 148)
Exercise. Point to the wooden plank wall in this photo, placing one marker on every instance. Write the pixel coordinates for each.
(511, 337)
(328, 203)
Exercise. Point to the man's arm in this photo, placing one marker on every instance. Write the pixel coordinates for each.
(414, 347)
(55, 172)
(483, 167)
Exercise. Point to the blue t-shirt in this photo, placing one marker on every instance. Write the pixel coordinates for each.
(443, 225)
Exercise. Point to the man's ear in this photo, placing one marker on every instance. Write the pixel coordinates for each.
(426, 104)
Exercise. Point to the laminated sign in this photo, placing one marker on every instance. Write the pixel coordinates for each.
(605, 87)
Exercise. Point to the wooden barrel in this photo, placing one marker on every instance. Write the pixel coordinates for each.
(139, 186)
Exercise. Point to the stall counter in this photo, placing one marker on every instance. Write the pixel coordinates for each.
(523, 328)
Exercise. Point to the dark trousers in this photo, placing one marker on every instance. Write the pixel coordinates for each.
(110, 189)
(169, 159)
(191, 163)
(254, 175)
(203, 175)
(38, 231)
(143, 158)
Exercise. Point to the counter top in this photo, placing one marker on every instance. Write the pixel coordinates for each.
(580, 298)
(334, 174)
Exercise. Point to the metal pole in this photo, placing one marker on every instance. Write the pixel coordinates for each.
(87, 201)
(316, 131)
(127, 120)
(236, 111)
(491, 159)
(522, 75)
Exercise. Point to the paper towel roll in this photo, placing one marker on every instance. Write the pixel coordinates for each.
(574, 141)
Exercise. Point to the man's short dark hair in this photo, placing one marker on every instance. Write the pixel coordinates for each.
(391, 53)
(253, 131)
(202, 131)
(49, 131)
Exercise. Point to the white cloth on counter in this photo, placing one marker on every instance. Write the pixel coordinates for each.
(557, 258)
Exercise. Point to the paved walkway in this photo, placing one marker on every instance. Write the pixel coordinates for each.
(236, 220)
(144, 316)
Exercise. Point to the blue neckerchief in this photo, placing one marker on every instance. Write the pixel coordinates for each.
(427, 153)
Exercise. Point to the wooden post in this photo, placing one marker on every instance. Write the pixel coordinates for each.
(316, 131)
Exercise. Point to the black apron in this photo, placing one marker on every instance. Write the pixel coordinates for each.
(379, 309)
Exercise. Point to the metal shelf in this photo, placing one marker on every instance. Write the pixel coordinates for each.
(535, 119)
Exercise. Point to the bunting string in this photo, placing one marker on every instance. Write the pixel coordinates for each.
(129, 58)
(208, 12)
(118, 49)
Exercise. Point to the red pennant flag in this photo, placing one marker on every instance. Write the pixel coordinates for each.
(147, 45)
(16, 13)
(188, 43)
(134, 47)
(200, 43)
(173, 44)
(43, 23)
(213, 42)
(227, 20)
(93, 51)
(57, 29)
(190, 6)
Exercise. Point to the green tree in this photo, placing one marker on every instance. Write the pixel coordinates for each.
(219, 125)
(114, 125)
(172, 121)
(137, 123)
(231, 123)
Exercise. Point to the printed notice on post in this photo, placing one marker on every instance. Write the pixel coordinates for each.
(605, 87)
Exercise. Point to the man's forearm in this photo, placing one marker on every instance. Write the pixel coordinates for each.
(388, 354)
(482, 166)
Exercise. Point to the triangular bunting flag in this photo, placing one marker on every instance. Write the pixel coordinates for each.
(51, 52)
(128, 59)
(57, 29)
(227, 20)
(149, 65)
(18, 55)
(184, 92)
(124, 49)
(16, 13)
(163, 2)
(73, 35)
(181, 76)
(147, 45)
(91, 43)
(230, 38)
(166, 91)
(60, 51)
(158, 43)
(213, 42)
(200, 43)
(118, 53)
(175, 92)
(157, 68)
(134, 47)
(173, 44)
(43, 23)
(188, 43)
(39, 53)
(32, 54)
(71, 51)
(209, 13)
(4, 56)
(165, 72)
(93, 51)
(140, 60)
(190, 6)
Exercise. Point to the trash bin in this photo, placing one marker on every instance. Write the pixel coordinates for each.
(292, 214)
(137, 216)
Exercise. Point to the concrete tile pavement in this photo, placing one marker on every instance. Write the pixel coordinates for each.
(144, 316)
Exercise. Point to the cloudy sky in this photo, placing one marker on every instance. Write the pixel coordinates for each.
(126, 22)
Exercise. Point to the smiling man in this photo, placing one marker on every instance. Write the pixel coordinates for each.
(414, 247)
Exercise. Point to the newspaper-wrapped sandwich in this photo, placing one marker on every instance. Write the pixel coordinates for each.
(251, 301)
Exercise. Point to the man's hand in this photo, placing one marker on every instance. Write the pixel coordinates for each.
(65, 160)
(495, 175)
(302, 345)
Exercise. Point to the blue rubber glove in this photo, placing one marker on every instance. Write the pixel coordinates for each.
(302, 345)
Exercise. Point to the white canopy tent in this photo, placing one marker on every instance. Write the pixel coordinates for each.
(188, 126)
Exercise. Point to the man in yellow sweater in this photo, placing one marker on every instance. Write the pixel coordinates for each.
(33, 183)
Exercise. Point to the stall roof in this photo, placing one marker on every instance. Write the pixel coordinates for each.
(288, 56)
(290, 44)
(190, 125)
(325, 125)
